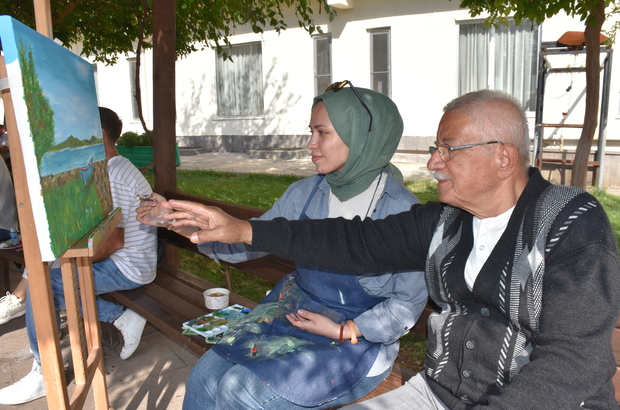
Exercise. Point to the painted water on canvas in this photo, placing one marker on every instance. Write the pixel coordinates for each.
(54, 96)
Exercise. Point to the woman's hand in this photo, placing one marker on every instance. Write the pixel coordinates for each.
(315, 323)
(152, 209)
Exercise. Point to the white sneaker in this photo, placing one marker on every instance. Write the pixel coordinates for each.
(30, 388)
(131, 326)
(11, 307)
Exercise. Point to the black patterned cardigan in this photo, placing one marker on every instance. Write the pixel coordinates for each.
(535, 331)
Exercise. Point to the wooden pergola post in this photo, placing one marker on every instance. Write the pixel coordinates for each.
(164, 106)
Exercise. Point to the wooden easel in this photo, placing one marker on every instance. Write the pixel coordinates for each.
(85, 333)
(84, 330)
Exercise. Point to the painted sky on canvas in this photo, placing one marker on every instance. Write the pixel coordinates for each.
(73, 107)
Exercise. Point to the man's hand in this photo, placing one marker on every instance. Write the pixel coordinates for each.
(215, 224)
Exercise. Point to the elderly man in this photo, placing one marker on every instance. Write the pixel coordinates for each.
(526, 273)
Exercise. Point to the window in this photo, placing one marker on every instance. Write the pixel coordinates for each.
(132, 83)
(380, 61)
(96, 77)
(322, 63)
(240, 81)
(503, 58)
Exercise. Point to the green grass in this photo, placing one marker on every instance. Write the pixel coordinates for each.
(261, 191)
(243, 283)
(611, 204)
(424, 190)
(255, 190)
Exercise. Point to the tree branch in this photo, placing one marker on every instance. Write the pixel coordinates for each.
(72, 5)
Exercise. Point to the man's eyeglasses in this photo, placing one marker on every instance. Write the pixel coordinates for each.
(340, 85)
(445, 151)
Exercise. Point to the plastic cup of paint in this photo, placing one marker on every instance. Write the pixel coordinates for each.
(216, 298)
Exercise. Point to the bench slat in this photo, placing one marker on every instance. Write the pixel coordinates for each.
(172, 302)
(163, 319)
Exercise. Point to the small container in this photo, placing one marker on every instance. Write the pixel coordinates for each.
(14, 237)
(216, 298)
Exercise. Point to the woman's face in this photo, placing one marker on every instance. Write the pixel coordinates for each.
(329, 152)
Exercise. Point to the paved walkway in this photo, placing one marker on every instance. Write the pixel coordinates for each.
(413, 166)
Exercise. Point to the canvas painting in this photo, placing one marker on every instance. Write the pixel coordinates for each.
(55, 101)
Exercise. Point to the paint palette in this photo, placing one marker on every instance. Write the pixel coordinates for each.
(214, 325)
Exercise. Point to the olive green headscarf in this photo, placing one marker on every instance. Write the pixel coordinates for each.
(369, 152)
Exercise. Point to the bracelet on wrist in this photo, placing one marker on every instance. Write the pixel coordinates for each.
(352, 332)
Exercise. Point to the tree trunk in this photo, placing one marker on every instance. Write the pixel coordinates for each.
(593, 80)
(138, 95)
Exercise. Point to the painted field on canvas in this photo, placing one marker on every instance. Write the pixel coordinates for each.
(54, 96)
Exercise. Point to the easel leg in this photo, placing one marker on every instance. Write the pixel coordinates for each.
(85, 332)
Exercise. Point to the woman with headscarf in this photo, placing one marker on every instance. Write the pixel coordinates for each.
(320, 339)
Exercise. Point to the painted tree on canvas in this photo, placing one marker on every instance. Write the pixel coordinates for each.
(41, 116)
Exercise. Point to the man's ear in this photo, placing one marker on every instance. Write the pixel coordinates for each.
(509, 159)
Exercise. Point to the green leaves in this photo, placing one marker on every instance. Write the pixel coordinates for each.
(533, 10)
(133, 139)
(108, 29)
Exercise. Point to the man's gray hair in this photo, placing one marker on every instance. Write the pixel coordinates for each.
(499, 116)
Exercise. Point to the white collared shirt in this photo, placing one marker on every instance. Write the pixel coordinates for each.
(487, 232)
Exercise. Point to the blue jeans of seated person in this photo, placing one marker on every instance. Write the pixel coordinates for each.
(107, 278)
(216, 383)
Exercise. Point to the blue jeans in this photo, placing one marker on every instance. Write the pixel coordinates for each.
(107, 278)
(217, 384)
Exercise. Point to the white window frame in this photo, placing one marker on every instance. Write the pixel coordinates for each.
(132, 84)
(320, 86)
(244, 86)
(96, 77)
(374, 72)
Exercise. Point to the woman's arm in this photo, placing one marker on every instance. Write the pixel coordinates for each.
(321, 325)
(391, 319)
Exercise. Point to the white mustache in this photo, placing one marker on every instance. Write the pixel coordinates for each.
(437, 175)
